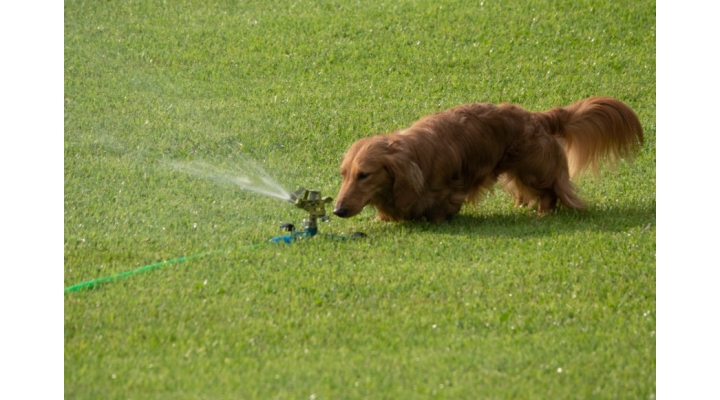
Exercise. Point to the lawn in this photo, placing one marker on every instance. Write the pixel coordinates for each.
(497, 303)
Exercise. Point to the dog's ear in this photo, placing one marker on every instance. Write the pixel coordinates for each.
(408, 180)
(414, 176)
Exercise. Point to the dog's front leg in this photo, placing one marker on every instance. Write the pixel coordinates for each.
(442, 213)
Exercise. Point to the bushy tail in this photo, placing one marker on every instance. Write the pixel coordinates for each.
(595, 129)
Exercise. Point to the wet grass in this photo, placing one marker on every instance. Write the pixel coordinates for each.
(498, 303)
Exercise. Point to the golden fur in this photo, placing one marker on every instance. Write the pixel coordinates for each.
(446, 159)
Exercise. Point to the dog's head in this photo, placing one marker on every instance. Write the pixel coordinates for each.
(376, 170)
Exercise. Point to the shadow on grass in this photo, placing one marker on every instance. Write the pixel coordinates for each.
(526, 223)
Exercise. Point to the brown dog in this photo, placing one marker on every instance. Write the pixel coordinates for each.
(444, 160)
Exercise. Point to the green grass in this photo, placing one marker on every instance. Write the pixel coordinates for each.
(498, 303)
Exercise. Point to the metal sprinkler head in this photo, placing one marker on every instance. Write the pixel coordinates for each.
(312, 202)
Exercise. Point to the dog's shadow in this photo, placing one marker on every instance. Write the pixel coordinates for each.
(523, 223)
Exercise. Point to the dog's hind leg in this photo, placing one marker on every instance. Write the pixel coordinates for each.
(548, 202)
(560, 189)
(536, 186)
(523, 195)
(565, 192)
(541, 172)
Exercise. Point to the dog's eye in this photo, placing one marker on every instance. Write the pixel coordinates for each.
(362, 175)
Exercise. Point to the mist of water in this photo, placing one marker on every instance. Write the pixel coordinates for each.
(245, 174)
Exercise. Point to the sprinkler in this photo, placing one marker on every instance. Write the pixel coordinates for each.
(312, 202)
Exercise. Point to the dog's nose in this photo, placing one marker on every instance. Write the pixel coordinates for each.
(341, 212)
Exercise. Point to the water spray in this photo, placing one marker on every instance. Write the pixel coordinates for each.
(257, 180)
(310, 201)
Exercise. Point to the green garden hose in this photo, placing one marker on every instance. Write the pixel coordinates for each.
(94, 282)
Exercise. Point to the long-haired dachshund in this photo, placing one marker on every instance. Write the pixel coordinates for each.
(432, 168)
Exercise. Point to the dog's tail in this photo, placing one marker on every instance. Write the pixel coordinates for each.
(593, 130)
